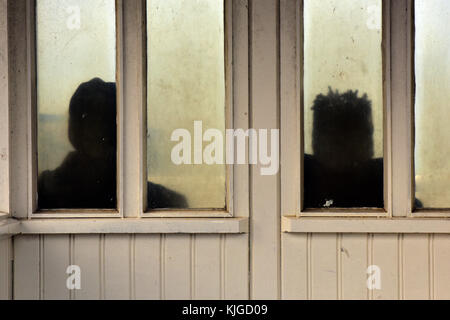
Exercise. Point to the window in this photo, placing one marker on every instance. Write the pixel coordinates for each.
(403, 55)
(432, 132)
(358, 60)
(371, 53)
(343, 104)
(76, 102)
(186, 91)
(408, 63)
(109, 82)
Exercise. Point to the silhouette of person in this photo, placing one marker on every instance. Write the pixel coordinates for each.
(87, 177)
(342, 172)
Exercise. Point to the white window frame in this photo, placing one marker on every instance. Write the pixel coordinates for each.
(131, 84)
(292, 122)
(398, 56)
(4, 114)
(229, 124)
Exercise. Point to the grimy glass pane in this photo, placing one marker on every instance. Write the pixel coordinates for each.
(76, 100)
(343, 104)
(432, 71)
(186, 83)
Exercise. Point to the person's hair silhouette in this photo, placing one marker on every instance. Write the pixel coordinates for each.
(342, 172)
(87, 177)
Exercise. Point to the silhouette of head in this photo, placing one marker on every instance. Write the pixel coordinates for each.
(342, 129)
(92, 119)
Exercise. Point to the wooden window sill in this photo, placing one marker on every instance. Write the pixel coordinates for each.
(135, 226)
(365, 225)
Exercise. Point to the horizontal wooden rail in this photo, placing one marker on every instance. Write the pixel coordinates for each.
(135, 226)
(365, 225)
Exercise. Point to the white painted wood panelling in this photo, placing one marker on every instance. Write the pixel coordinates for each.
(27, 268)
(147, 267)
(353, 254)
(295, 266)
(264, 105)
(55, 258)
(331, 266)
(87, 253)
(416, 267)
(132, 266)
(323, 261)
(441, 266)
(117, 267)
(317, 266)
(208, 273)
(6, 258)
(385, 253)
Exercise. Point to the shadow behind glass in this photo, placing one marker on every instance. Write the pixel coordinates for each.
(342, 172)
(86, 179)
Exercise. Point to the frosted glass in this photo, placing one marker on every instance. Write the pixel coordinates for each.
(343, 103)
(432, 117)
(186, 83)
(76, 42)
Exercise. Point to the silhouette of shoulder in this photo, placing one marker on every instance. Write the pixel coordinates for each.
(77, 184)
(360, 186)
(159, 197)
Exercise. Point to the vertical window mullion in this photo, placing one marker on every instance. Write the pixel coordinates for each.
(401, 107)
(291, 105)
(133, 107)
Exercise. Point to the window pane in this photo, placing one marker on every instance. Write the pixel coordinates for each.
(186, 83)
(432, 70)
(76, 98)
(343, 104)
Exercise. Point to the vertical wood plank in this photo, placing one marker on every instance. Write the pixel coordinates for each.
(353, 253)
(56, 260)
(87, 257)
(441, 267)
(178, 251)
(324, 267)
(265, 198)
(294, 266)
(415, 267)
(386, 257)
(27, 276)
(236, 267)
(208, 267)
(5, 268)
(148, 267)
(117, 271)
